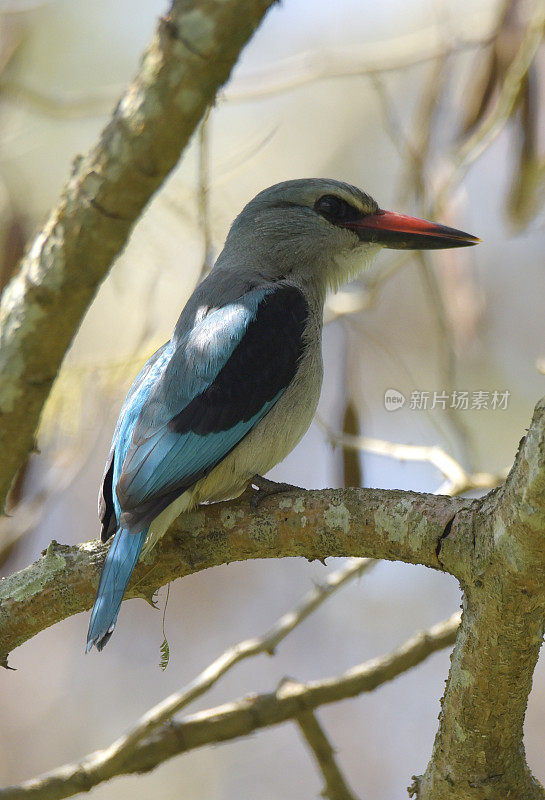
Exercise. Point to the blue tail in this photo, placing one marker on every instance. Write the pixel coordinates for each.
(118, 567)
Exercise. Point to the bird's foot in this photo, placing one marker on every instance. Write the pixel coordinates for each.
(267, 488)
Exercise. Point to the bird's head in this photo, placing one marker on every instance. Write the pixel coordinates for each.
(325, 232)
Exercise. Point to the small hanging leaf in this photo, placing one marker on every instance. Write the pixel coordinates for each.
(165, 649)
(165, 655)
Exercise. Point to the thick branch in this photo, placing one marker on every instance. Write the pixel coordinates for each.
(235, 719)
(479, 750)
(377, 523)
(191, 56)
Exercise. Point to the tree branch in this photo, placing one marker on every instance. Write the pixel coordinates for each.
(457, 479)
(494, 545)
(377, 523)
(191, 56)
(479, 750)
(267, 643)
(335, 787)
(235, 719)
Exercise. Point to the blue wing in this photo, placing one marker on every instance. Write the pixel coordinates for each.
(107, 513)
(202, 395)
(191, 404)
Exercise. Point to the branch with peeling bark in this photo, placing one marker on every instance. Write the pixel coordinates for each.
(192, 54)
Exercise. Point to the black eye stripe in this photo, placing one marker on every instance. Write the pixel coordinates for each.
(336, 210)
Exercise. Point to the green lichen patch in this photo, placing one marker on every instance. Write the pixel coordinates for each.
(338, 516)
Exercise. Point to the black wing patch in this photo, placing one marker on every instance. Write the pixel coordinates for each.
(106, 511)
(262, 364)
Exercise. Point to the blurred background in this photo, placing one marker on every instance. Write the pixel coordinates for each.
(415, 103)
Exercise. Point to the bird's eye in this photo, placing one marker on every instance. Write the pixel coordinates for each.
(331, 207)
(336, 210)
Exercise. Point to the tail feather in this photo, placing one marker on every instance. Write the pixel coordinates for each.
(118, 568)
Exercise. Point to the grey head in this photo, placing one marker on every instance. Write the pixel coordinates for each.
(322, 232)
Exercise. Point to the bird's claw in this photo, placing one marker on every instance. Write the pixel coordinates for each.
(267, 488)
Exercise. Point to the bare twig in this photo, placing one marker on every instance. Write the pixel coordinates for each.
(395, 131)
(377, 57)
(335, 787)
(266, 643)
(346, 301)
(64, 104)
(447, 358)
(360, 297)
(203, 193)
(458, 480)
(447, 354)
(394, 54)
(235, 719)
(414, 150)
(414, 180)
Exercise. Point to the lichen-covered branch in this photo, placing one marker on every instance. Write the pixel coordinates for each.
(479, 751)
(191, 56)
(235, 719)
(377, 523)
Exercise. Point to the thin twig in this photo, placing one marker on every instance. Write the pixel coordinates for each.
(414, 150)
(392, 125)
(447, 353)
(423, 126)
(235, 719)
(335, 787)
(356, 298)
(458, 480)
(203, 192)
(266, 643)
(392, 55)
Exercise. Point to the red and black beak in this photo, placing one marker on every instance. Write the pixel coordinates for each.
(399, 232)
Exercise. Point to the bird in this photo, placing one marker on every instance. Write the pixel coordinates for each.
(237, 385)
